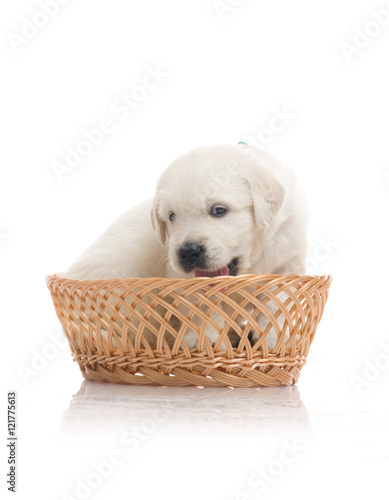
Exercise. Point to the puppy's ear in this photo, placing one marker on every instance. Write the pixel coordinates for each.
(268, 196)
(158, 224)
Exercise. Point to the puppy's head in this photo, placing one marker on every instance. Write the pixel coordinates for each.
(213, 207)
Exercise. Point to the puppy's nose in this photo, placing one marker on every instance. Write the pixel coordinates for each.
(191, 255)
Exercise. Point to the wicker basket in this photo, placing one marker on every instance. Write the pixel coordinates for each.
(134, 330)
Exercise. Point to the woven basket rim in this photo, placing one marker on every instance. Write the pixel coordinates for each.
(50, 278)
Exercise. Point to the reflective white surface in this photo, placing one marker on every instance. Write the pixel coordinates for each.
(317, 438)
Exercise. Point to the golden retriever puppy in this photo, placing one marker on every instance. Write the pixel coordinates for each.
(217, 210)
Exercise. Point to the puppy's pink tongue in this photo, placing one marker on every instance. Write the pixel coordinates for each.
(200, 273)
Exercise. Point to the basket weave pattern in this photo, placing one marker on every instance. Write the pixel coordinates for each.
(133, 330)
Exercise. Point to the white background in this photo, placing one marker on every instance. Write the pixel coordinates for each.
(227, 71)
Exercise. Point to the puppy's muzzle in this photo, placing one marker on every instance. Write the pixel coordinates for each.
(191, 256)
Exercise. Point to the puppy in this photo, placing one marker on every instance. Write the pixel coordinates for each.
(217, 210)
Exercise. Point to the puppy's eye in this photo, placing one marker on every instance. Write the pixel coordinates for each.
(218, 211)
(172, 216)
